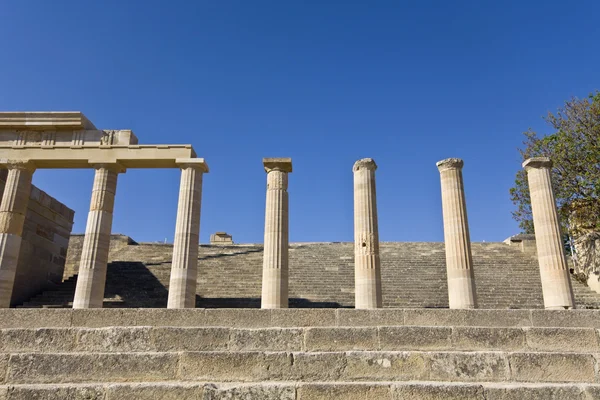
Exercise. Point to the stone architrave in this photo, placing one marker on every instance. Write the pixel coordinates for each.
(459, 261)
(554, 272)
(275, 259)
(184, 268)
(12, 218)
(91, 280)
(367, 264)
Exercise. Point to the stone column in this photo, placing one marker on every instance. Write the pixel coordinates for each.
(12, 218)
(367, 264)
(275, 259)
(91, 280)
(554, 272)
(184, 268)
(459, 262)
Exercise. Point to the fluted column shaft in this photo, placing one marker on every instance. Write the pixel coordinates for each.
(91, 280)
(554, 272)
(275, 259)
(459, 261)
(367, 264)
(184, 268)
(12, 218)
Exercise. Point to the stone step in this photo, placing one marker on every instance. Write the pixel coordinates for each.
(302, 391)
(313, 339)
(259, 318)
(260, 366)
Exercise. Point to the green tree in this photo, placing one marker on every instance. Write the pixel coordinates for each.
(574, 148)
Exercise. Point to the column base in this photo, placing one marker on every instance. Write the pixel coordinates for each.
(274, 290)
(461, 289)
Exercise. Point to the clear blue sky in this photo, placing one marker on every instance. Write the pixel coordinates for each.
(325, 82)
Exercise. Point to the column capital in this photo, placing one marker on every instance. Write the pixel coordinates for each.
(23, 165)
(450, 163)
(113, 167)
(277, 164)
(537, 163)
(364, 163)
(198, 163)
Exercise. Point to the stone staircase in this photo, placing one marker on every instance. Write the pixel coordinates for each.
(299, 354)
(321, 275)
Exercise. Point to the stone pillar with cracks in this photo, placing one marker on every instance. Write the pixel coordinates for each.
(459, 261)
(91, 280)
(367, 264)
(184, 268)
(12, 218)
(275, 259)
(554, 272)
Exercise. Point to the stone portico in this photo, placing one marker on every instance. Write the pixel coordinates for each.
(62, 140)
(58, 140)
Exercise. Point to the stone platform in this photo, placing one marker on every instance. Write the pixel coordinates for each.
(299, 354)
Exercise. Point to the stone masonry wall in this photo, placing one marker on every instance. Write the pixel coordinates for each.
(117, 242)
(46, 233)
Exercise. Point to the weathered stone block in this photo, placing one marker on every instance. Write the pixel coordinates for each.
(566, 318)
(334, 339)
(118, 339)
(414, 338)
(169, 317)
(4, 359)
(345, 391)
(37, 340)
(263, 391)
(271, 339)
(562, 339)
(99, 367)
(162, 391)
(316, 366)
(552, 367)
(246, 318)
(234, 367)
(537, 392)
(34, 318)
(374, 317)
(190, 339)
(391, 366)
(295, 317)
(483, 338)
(103, 317)
(434, 391)
(468, 367)
(54, 392)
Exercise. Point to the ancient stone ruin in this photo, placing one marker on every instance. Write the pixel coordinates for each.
(101, 316)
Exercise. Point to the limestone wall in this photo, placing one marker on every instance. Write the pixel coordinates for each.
(43, 252)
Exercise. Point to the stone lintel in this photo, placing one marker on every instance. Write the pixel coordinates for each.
(537, 162)
(44, 120)
(198, 163)
(131, 156)
(450, 163)
(364, 163)
(278, 164)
